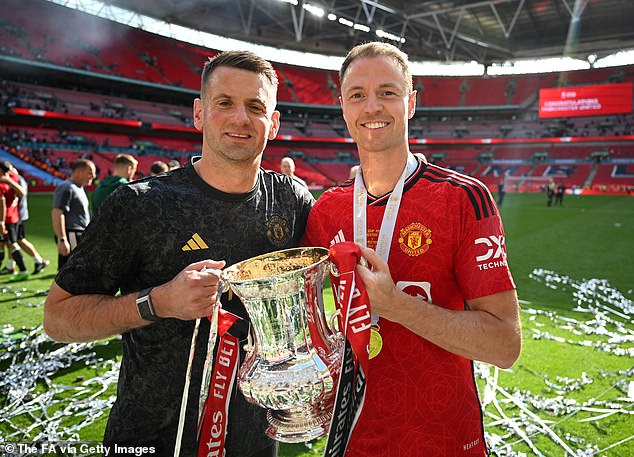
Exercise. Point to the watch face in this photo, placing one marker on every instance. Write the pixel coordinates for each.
(144, 305)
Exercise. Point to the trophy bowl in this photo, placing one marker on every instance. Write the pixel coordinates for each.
(294, 360)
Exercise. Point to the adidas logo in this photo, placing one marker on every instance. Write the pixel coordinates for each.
(195, 243)
(339, 238)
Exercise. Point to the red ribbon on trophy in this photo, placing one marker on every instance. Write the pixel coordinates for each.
(212, 429)
(355, 321)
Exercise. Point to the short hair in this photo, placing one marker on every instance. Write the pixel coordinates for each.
(5, 166)
(377, 49)
(125, 160)
(81, 164)
(243, 60)
(158, 167)
(289, 161)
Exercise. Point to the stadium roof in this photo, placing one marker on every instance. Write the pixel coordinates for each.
(486, 32)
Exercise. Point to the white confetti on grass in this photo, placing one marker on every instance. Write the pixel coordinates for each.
(32, 396)
(56, 411)
(608, 328)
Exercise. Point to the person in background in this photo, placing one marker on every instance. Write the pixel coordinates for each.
(153, 243)
(10, 192)
(158, 167)
(70, 214)
(23, 213)
(173, 164)
(440, 292)
(124, 168)
(501, 192)
(287, 167)
(551, 188)
(559, 194)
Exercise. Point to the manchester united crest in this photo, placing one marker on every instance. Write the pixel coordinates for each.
(415, 239)
(278, 231)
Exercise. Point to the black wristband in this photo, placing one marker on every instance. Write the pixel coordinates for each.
(145, 306)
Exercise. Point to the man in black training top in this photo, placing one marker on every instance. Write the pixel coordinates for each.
(159, 233)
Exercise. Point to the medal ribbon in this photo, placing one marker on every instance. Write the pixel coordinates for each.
(353, 303)
(388, 223)
(212, 429)
(391, 211)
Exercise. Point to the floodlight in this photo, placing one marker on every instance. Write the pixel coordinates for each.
(315, 10)
(344, 21)
(363, 28)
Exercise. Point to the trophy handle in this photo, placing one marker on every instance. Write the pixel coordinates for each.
(252, 343)
(333, 324)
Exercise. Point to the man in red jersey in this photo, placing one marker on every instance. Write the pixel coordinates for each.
(441, 293)
(10, 193)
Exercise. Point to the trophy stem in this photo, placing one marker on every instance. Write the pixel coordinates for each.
(299, 424)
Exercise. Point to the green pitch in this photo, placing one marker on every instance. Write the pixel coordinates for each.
(568, 391)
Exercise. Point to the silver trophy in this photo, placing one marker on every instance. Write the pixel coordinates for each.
(294, 360)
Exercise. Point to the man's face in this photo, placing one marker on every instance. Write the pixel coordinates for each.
(131, 172)
(237, 114)
(87, 174)
(286, 168)
(377, 103)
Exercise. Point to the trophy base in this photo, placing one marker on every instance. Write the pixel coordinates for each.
(297, 425)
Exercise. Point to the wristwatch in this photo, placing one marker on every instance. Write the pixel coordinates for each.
(145, 307)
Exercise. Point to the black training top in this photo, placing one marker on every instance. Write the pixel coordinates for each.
(146, 233)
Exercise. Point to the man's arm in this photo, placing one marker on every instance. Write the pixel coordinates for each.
(488, 331)
(59, 228)
(17, 188)
(189, 295)
(3, 213)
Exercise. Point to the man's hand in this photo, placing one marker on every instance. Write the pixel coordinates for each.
(63, 247)
(379, 284)
(488, 330)
(191, 294)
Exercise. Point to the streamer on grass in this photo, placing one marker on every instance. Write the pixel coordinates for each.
(34, 394)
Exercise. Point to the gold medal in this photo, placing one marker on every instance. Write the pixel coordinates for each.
(376, 341)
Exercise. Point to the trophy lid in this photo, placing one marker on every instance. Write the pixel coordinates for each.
(275, 264)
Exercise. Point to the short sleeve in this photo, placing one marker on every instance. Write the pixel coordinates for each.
(105, 259)
(481, 259)
(61, 198)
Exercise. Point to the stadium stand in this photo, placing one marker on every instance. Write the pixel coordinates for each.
(616, 177)
(311, 86)
(485, 126)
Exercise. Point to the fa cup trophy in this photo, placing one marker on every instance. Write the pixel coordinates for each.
(295, 357)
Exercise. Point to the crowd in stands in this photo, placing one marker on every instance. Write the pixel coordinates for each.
(54, 150)
(324, 165)
(118, 50)
(422, 126)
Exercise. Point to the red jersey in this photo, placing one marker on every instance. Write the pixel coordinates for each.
(11, 200)
(448, 247)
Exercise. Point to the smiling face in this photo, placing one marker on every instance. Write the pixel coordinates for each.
(236, 114)
(377, 102)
